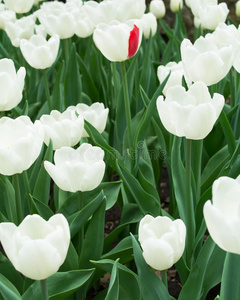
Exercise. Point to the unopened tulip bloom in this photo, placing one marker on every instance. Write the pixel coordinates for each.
(222, 215)
(162, 241)
(20, 144)
(176, 76)
(237, 9)
(57, 18)
(6, 15)
(36, 248)
(129, 9)
(206, 60)
(118, 41)
(21, 29)
(149, 25)
(19, 6)
(157, 7)
(38, 52)
(190, 113)
(77, 170)
(11, 84)
(175, 5)
(96, 114)
(64, 129)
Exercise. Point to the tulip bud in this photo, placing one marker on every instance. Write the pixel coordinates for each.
(222, 215)
(95, 114)
(175, 5)
(157, 7)
(149, 24)
(77, 170)
(118, 41)
(38, 52)
(36, 248)
(162, 241)
(190, 113)
(19, 6)
(237, 9)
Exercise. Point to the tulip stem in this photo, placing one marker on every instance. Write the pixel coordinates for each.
(190, 220)
(47, 89)
(164, 277)
(81, 231)
(127, 104)
(27, 189)
(44, 289)
(18, 198)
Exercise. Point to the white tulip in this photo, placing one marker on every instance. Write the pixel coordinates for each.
(176, 76)
(77, 170)
(237, 9)
(36, 248)
(19, 6)
(128, 9)
(6, 15)
(11, 84)
(206, 60)
(118, 41)
(21, 29)
(175, 5)
(190, 113)
(40, 53)
(149, 24)
(64, 129)
(158, 8)
(20, 144)
(95, 114)
(162, 241)
(58, 18)
(222, 215)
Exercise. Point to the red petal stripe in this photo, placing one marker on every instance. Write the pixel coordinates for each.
(133, 41)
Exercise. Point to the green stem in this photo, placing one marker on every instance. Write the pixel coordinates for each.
(27, 189)
(66, 50)
(18, 198)
(47, 89)
(44, 289)
(127, 104)
(190, 220)
(164, 277)
(81, 231)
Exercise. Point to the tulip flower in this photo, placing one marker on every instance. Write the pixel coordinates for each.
(95, 114)
(57, 18)
(237, 9)
(64, 129)
(36, 248)
(11, 84)
(149, 24)
(206, 60)
(175, 5)
(6, 15)
(162, 241)
(19, 6)
(176, 76)
(190, 113)
(77, 170)
(20, 144)
(118, 41)
(129, 9)
(222, 215)
(157, 7)
(21, 29)
(38, 52)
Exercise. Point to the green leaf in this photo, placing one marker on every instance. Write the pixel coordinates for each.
(147, 203)
(113, 289)
(129, 288)
(151, 286)
(78, 219)
(42, 186)
(230, 286)
(72, 82)
(60, 285)
(93, 242)
(42, 209)
(8, 290)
